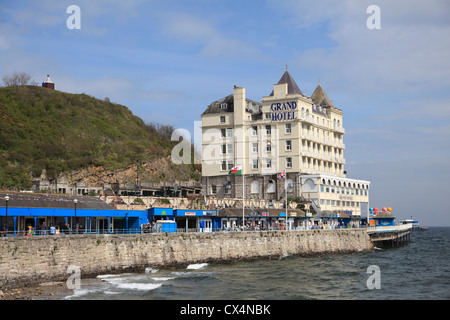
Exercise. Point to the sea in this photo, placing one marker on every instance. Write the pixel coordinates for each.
(418, 270)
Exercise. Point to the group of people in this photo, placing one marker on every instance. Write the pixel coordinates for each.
(51, 230)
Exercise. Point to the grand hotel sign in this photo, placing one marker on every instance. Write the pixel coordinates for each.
(282, 111)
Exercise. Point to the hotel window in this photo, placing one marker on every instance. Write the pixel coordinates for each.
(269, 163)
(213, 189)
(288, 128)
(254, 130)
(224, 165)
(230, 165)
(288, 145)
(223, 133)
(229, 132)
(268, 116)
(255, 147)
(227, 186)
(269, 148)
(268, 130)
(230, 148)
(224, 149)
(288, 162)
(255, 186)
(290, 185)
(255, 164)
(222, 119)
(271, 186)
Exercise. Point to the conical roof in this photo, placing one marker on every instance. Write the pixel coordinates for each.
(320, 98)
(292, 86)
(48, 80)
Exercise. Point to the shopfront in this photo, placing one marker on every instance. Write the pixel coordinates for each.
(197, 220)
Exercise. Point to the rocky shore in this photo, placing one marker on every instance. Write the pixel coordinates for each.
(43, 291)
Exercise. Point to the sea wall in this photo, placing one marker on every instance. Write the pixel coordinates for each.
(33, 260)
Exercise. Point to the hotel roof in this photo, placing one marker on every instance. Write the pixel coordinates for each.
(320, 98)
(227, 105)
(292, 86)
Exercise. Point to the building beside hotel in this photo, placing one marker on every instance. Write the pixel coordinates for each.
(285, 131)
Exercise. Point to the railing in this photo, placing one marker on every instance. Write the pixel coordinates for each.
(23, 233)
(395, 228)
(57, 232)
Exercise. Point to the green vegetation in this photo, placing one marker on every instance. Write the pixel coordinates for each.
(60, 132)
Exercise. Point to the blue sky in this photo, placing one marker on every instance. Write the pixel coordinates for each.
(167, 60)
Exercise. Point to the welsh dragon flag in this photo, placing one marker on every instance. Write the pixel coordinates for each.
(236, 170)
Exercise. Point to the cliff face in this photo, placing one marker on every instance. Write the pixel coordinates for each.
(160, 169)
(48, 134)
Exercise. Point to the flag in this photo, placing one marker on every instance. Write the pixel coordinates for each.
(282, 175)
(236, 170)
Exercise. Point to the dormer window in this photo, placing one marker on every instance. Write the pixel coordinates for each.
(223, 106)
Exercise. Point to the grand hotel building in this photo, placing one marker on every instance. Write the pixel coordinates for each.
(285, 131)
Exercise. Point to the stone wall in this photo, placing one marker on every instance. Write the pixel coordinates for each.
(32, 260)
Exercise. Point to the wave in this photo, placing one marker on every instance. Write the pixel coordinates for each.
(78, 293)
(138, 286)
(162, 278)
(196, 266)
(150, 270)
(111, 292)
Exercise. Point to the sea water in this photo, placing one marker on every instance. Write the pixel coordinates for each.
(417, 270)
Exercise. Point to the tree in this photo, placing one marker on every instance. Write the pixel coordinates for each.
(17, 79)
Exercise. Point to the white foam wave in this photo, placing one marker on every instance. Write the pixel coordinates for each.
(196, 266)
(111, 292)
(150, 270)
(78, 293)
(139, 286)
(162, 278)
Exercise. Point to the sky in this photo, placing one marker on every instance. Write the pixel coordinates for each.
(167, 60)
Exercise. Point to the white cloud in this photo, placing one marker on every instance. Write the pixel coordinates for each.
(403, 56)
(204, 33)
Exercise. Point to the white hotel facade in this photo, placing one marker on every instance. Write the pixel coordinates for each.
(285, 131)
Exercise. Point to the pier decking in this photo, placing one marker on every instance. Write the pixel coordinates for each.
(393, 235)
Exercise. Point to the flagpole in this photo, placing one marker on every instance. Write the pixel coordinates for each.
(285, 190)
(243, 196)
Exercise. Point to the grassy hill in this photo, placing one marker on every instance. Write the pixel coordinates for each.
(53, 132)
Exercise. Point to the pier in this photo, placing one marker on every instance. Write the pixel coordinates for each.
(393, 236)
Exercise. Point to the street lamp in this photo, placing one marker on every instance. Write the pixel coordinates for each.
(6, 216)
(75, 202)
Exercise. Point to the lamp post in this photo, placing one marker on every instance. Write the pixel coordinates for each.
(75, 224)
(6, 215)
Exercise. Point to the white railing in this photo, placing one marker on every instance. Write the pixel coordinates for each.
(396, 228)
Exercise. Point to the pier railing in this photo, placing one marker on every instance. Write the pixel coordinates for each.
(383, 229)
